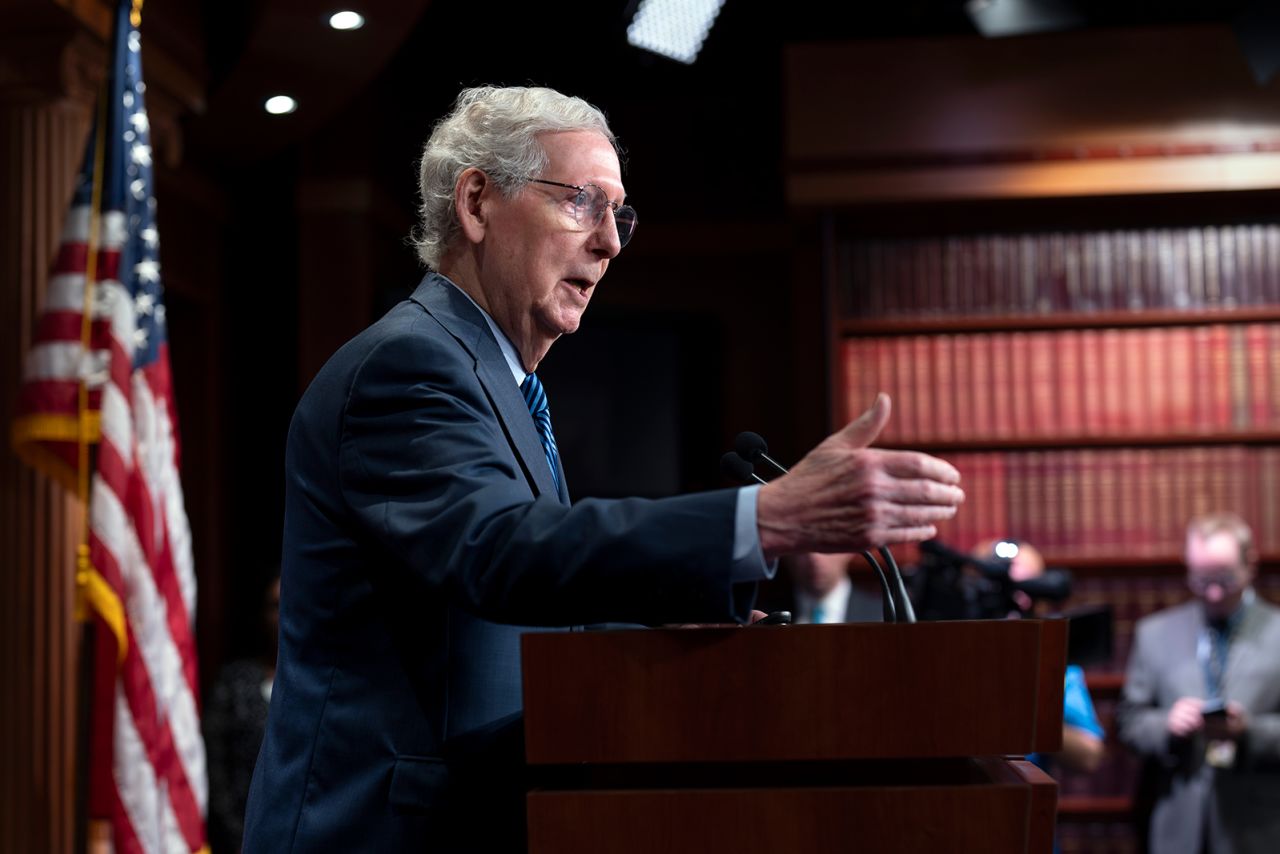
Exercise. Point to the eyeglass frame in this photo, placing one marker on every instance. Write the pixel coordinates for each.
(1230, 580)
(613, 206)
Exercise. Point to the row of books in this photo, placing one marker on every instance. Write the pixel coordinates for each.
(1092, 503)
(1037, 273)
(1070, 383)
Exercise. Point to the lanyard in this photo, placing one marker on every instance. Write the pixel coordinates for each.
(1213, 648)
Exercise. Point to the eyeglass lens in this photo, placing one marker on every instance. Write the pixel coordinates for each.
(589, 207)
(1228, 581)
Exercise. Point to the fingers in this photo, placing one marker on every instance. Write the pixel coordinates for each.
(920, 491)
(913, 464)
(895, 523)
(1185, 717)
(919, 533)
(863, 430)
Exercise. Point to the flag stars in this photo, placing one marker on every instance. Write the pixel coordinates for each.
(144, 303)
(150, 237)
(160, 314)
(147, 271)
(140, 337)
(138, 188)
(141, 154)
(139, 121)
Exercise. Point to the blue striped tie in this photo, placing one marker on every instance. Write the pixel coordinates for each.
(536, 399)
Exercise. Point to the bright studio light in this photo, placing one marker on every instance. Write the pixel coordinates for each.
(1006, 550)
(673, 28)
(279, 105)
(346, 20)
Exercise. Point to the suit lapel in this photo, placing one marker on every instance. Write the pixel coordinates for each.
(1180, 647)
(464, 322)
(1244, 643)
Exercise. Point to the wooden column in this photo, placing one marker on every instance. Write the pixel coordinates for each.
(45, 95)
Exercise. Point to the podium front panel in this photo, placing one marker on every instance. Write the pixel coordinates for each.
(994, 811)
(794, 693)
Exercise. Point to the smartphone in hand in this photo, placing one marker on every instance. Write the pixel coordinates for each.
(1214, 713)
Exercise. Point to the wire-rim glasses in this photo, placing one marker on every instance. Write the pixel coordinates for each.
(589, 205)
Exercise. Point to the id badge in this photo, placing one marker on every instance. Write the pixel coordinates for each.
(1221, 754)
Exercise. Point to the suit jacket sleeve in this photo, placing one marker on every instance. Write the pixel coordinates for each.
(1262, 743)
(429, 475)
(1141, 721)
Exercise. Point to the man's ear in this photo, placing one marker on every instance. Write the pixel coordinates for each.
(470, 194)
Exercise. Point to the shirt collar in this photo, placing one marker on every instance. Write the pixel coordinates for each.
(834, 603)
(504, 343)
(1233, 620)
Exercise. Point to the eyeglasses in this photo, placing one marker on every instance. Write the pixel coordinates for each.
(589, 205)
(1229, 580)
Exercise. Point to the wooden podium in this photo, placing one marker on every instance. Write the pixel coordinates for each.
(866, 737)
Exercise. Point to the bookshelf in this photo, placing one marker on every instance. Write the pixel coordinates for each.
(1061, 256)
(1095, 389)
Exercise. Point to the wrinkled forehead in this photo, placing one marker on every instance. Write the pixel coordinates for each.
(583, 157)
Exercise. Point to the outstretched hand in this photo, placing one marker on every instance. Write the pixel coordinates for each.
(845, 496)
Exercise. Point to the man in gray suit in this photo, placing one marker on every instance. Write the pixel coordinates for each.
(1202, 703)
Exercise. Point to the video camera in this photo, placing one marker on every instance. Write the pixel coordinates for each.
(951, 585)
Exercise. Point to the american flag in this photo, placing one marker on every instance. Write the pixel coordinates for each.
(147, 773)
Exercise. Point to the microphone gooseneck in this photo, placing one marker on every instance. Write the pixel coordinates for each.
(905, 610)
(887, 608)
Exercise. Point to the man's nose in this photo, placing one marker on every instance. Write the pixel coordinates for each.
(605, 240)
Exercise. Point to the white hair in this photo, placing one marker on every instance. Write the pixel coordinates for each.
(496, 130)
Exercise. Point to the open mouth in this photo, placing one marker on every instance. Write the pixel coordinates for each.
(581, 285)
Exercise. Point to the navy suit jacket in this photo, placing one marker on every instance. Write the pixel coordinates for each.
(423, 534)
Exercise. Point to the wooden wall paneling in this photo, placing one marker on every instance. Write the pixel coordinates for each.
(40, 523)
(1096, 112)
(46, 86)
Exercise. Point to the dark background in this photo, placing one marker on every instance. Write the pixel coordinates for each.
(283, 236)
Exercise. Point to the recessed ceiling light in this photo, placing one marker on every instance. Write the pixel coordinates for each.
(346, 20)
(278, 105)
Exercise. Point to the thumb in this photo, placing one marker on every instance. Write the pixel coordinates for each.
(864, 429)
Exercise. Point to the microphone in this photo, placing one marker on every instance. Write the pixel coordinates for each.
(752, 446)
(736, 468)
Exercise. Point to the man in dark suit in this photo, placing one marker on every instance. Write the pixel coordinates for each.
(1202, 702)
(427, 520)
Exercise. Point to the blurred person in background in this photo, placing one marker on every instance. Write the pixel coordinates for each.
(234, 720)
(1082, 733)
(818, 588)
(1201, 703)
